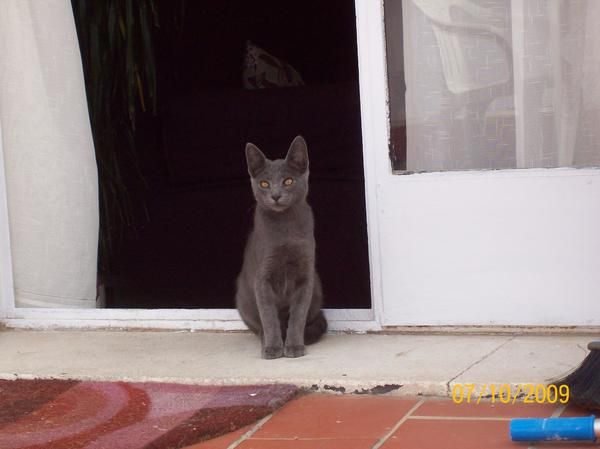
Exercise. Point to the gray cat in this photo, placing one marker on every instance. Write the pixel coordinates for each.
(279, 292)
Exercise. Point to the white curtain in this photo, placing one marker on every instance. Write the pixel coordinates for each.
(501, 83)
(51, 175)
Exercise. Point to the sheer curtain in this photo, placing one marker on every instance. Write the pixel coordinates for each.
(501, 83)
(49, 158)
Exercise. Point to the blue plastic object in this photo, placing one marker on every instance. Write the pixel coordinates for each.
(540, 429)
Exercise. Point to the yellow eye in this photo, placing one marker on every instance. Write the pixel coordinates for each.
(288, 182)
(264, 184)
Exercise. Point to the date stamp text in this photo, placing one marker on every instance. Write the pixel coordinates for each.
(510, 394)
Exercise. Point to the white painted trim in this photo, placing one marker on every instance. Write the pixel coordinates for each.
(492, 330)
(508, 173)
(7, 294)
(165, 314)
(375, 130)
(178, 325)
(189, 319)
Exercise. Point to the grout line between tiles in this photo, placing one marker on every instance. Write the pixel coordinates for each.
(458, 418)
(251, 432)
(310, 439)
(383, 439)
(559, 410)
(477, 362)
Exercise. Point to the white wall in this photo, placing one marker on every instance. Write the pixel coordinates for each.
(518, 247)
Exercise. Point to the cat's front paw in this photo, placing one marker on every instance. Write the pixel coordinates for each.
(294, 351)
(272, 352)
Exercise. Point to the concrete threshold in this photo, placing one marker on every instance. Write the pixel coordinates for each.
(431, 365)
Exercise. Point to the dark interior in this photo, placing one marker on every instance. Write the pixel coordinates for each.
(195, 211)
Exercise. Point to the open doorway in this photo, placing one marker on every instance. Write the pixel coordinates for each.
(195, 204)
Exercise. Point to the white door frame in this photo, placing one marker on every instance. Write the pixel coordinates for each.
(373, 94)
(383, 193)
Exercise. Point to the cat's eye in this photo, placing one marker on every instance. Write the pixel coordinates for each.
(264, 184)
(288, 181)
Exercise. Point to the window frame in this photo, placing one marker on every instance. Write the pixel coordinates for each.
(373, 94)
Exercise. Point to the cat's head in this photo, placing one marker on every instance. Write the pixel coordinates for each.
(281, 183)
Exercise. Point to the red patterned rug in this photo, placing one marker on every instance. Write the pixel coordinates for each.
(65, 414)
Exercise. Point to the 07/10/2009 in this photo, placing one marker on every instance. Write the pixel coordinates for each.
(507, 394)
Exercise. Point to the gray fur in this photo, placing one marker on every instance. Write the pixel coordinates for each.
(279, 292)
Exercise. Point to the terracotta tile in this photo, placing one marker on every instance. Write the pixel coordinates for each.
(221, 442)
(328, 416)
(573, 410)
(308, 444)
(446, 407)
(452, 434)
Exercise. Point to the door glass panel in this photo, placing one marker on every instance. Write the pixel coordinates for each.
(493, 84)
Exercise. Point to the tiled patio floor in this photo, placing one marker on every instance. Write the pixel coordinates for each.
(321, 421)
(405, 364)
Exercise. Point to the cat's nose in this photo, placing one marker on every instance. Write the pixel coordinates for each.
(276, 196)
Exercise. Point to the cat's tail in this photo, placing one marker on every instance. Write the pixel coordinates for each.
(315, 329)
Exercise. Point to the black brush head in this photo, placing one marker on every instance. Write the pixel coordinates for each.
(584, 382)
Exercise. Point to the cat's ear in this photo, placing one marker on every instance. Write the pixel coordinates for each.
(297, 156)
(256, 159)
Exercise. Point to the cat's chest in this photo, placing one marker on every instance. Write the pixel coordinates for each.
(291, 257)
(289, 265)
